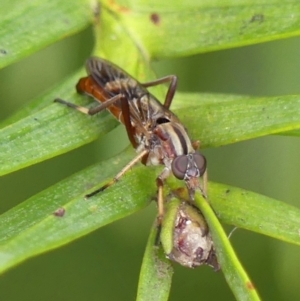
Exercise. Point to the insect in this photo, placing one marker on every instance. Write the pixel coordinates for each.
(153, 130)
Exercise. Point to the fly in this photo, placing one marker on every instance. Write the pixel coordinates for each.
(153, 130)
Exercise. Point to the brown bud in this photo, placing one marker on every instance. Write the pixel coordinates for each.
(185, 236)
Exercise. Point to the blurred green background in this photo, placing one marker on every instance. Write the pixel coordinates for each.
(105, 264)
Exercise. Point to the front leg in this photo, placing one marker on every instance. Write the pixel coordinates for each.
(160, 197)
(120, 174)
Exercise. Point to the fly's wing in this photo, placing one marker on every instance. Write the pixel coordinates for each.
(104, 71)
(111, 78)
(114, 81)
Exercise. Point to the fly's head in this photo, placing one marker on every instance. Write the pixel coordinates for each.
(190, 168)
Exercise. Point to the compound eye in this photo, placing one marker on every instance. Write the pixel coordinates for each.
(179, 166)
(200, 162)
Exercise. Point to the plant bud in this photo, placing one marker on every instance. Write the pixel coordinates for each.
(185, 236)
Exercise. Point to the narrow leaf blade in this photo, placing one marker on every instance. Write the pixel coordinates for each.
(32, 227)
(236, 277)
(192, 27)
(255, 212)
(156, 272)
(25, 25)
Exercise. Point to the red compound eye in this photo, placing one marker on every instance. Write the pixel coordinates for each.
(200, 163)
(179, 166)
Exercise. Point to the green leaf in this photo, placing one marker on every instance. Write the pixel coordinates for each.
(190, 27)
(156, 272)
(49, 131)
(32, 228)
(229, 121)
(29, 25)
(235, 275)
(64, 90)
(255, 212)
(295, 133)
(220, 120)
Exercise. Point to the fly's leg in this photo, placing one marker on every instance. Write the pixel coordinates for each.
(172, 87)
(91, 111)
(104, 105)
(129, 128)
(127, 122)
(119, 174)
(204, 185)
(196, 144)
(160, 201)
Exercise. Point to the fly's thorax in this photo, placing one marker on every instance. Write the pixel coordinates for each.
(155, 156)
(159, 113)
(151, 109)
(174, 139)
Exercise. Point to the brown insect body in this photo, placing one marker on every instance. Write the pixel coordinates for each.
(154, 131)
(154, 126)
(105, 81)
